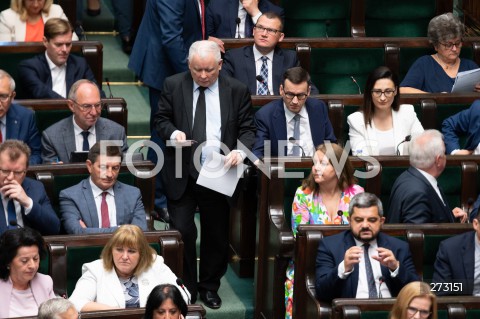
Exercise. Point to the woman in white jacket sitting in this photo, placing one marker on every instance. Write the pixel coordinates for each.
(125, 274)
(382, 124)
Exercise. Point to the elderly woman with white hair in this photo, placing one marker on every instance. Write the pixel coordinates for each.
(57, 308)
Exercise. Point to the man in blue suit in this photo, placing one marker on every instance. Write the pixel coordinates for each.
(465, 123)
(17, 122)
(457, 264)
(23, 202)
(275, 121)
(362, 262)
(100, 203)
(235, 19)
(50, 75)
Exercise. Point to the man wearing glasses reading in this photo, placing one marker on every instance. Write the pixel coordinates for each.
(83, 129)
(295, 124)
(24, 202)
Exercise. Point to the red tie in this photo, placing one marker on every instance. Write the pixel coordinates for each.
(202, 6)
(1, 135)
(104, 209)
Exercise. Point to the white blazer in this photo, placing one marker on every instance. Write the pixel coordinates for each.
(99, 285)
(364, 141)
(12, 29)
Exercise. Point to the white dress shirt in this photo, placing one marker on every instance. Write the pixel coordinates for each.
(58, 73)
(305, 140)
(110, 198)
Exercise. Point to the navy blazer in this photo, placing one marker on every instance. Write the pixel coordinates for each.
(21, 125)
(166, 33)
(414, 200)
(77, 203)
(271, 126)
(455, 263)
(331, 252)
(221, 16)
(476, 206)
(35, 77)
(464, 123)
(42, 217)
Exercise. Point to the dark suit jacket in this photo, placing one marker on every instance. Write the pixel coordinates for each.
(476, 207)
(240, 64)
(221, 16)
(271, 126)
(175, 113)
(455, 263)
(77, 203)
(331, 252)
(35, 77)
(21, 125)
(167, 30)
(464, 123)
(42, 217)
(413, 200)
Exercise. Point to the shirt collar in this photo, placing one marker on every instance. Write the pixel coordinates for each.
(213, 87)
(432, 180)
(257, 55)
(52, 65)
(77, 130)
(98, 191)
(289, 114)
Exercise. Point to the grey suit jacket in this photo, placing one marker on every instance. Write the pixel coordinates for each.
(77, 203)
(58, 141)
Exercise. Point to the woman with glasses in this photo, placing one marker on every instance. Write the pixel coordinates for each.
(415, 301)
(436, 73)
(25, 19)
(323, 198)
(382, 126)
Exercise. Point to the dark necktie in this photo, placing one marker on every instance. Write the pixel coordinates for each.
(372, 287)
(85, 146)
(199, 132)
(296, 134)
(248, 26)
(12, 215)
(104, 211)
(202, 6)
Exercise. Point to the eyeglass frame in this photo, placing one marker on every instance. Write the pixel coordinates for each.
(449, 45)
(7, 172)
(5, 97)
(88, 107)
(423, 313)
(270, 31)
(387, 93)
(299, 96)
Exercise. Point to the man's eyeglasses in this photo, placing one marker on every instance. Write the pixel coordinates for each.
(423, 313)
(5, 97)
(269, 31)
(387, 93)
(300, 96)
(449, 45)
(88, 107)
(7, 172)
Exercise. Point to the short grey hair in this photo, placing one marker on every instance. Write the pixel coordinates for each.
(204, 48)
(425, 147)
(445, 27)
(72, 94)
(4, 74)
(365, 200)
(52, 308)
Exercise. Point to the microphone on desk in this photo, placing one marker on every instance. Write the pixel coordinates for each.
(180, 283)
(237, 21)
(407, 139)
(83, 36)
(109, 88)
(292, 140)
(262, 80)
(340, 214)
(356, 83)
(327, 24)
(381, 280)
(14, 223)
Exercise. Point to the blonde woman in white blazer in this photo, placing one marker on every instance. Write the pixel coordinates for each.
(127, 256)
(13, 21)
(382, 124)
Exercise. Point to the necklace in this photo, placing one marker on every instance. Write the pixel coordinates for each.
(446, 66)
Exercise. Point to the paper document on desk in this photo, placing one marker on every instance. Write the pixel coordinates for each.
(216, 177)
(466, 80)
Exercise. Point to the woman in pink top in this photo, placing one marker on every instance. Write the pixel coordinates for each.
(22, 288)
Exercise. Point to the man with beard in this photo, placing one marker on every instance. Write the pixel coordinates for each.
(342, 271)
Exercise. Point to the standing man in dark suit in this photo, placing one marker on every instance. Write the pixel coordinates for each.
(264, 59)
(276, 121)
(83, 129)
(458, 264)
(16, 121)
(23, 202)
(416, 196)
(199, 105)
(351, 264)
(236, 18)
(50, 75)
(100, 203)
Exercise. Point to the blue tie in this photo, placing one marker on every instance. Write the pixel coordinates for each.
(12, 215)
(296, 134)
(86, 146)
(372, 286)
(263, 86)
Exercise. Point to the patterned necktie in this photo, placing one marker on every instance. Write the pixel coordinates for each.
(372, 287)
(132, 291)
(85, 146)
(296, 134)
(263, 86)
(104, 211)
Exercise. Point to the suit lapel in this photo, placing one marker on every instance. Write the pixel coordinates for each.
(468, 254)
(119, 204)
(115, 287)
(100, 130)
(250, 67)
(92, 207)
(277, 72)
(353, 278)
(12, 126)
(280, 126)
(232, 16)
(69, 80)
(69, 137)
(225, 93)
(47, 71)
(315, 128)
(187, 89)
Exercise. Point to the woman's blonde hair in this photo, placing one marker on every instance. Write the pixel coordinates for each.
(130, 236)
(19, 7)
(407, 294)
